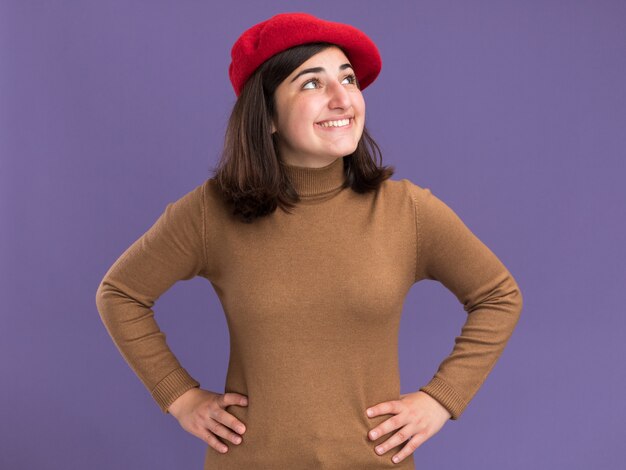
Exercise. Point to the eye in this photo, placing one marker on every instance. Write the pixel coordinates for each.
(351, 77)
(314, 80)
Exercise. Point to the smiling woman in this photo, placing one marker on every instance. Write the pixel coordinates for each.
(276, 122)
(313, 295)
(300, 108)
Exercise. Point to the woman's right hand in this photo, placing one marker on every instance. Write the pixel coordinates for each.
(202, 413)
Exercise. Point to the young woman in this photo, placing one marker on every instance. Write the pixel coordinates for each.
(311, 249)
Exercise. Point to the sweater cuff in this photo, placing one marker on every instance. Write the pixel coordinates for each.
(173, 386)
(446, 395)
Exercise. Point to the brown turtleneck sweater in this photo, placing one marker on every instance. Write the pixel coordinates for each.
(313, 302)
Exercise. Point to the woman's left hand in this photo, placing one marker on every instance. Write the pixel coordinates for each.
(418, 417)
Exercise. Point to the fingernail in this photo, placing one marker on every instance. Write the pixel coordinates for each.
(370, 412)
(373, 434)
(240, 429)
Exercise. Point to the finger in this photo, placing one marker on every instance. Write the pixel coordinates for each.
(415, 441)
(223, 431)
(398, 438)
(387, 407)
(232, 398)
(386, 427)
(213, 441)
(224, 417)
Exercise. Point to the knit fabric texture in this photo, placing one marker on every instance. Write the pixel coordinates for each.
(313, 303)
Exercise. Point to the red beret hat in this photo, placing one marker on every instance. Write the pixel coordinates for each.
(285, 30)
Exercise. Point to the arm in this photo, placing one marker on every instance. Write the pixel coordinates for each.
(448, 252)
(172, 249)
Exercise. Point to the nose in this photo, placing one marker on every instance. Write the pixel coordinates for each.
(338, 95)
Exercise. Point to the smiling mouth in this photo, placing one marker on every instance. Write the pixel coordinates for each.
(332, 127)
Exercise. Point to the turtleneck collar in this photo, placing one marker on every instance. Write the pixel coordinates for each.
(316, 182)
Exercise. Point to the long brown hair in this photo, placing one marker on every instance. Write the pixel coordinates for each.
(249, 174)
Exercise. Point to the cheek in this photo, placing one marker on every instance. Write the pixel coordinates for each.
(302, 117)
(359, 103)
(296, 128)
(309, 110)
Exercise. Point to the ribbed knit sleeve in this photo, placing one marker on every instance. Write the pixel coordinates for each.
(448, 252)
(172, 249)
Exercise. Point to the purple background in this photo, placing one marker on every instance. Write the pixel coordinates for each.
(513, 113)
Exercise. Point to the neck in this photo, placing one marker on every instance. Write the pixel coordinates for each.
(315, 182)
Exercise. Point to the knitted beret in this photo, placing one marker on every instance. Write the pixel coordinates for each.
(285, 30)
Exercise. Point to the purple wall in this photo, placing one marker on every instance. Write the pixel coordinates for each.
(513, 113)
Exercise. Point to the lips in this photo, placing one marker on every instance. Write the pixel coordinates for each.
(335, 128)
(338, 118)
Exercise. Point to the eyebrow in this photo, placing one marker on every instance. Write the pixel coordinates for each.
(319, 69)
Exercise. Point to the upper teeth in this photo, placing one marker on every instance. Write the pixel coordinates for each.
(342, 122)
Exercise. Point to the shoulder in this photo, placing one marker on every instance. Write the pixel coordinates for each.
(405, 188)
(199, 200)
(215, 206)
(203, 194)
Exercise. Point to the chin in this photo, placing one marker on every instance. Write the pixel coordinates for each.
(350, 150)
